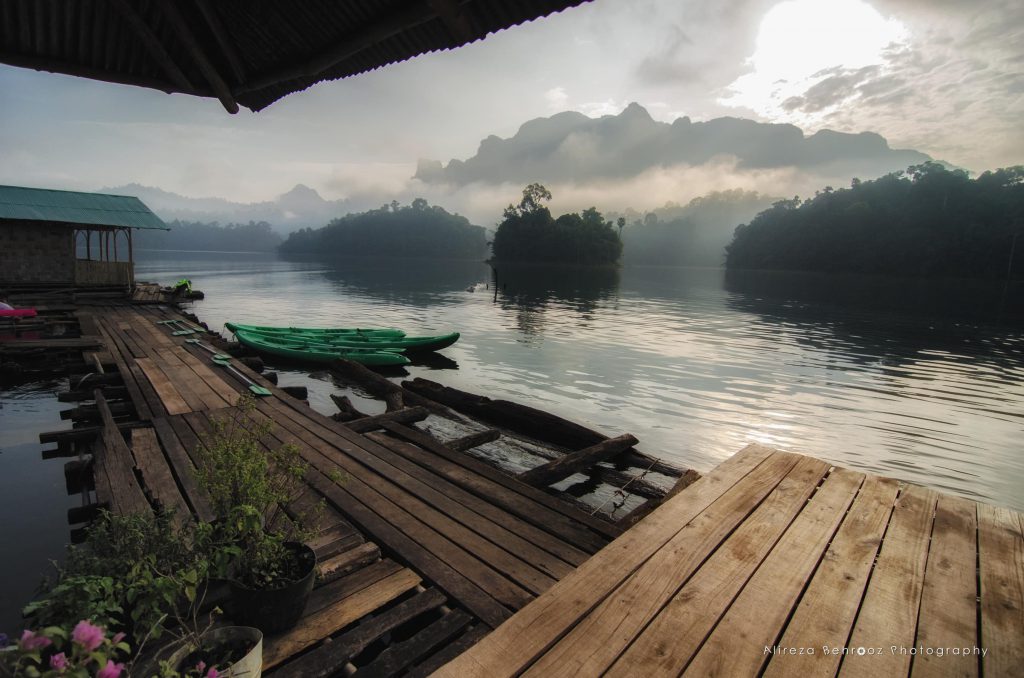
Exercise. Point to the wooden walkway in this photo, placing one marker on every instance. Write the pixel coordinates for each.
(457, 547)
(781, 565)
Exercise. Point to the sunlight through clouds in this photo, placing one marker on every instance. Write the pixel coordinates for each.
(803, 44)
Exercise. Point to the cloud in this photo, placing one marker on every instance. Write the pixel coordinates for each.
(557, 99)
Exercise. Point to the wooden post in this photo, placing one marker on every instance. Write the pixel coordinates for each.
(88, 244)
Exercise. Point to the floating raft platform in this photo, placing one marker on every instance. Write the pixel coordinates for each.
(434, 561)
(777, 564)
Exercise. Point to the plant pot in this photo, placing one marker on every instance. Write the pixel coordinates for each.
(248, 666)
(275, 609)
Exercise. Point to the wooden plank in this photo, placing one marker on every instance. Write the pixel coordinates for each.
(667, 598)
(759, 613)
(183, 373)
(507, 530)
(888, 615)
(574, 462)
(829, 605)
(450, 651)
(328, 658)
(472, 440)
(79, 342)
(431, 529)
(213, 379)
(142, 405)
(344, 563)
(1001, 560)
(162, 384)
(182, 380)
(126, 494)
(325, 594)
(949, 601)
(399, 656)
(183, 468)
(156, 474)
(311, 629)
(482, 469)
(517, 643)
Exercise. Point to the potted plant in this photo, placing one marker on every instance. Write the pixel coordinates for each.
(262, 554)
(222, 652)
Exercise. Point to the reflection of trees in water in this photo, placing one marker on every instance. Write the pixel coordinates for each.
(531, 292)
(417, 282)
(892, 320)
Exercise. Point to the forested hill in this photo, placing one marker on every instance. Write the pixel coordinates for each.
(200, 236)
(415, 230)
(927, 221)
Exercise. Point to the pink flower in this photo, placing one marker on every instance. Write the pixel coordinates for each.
(31, 641)
(111, 670)
(88, 635)
(59, 662)
(212, 673)
(118, 637)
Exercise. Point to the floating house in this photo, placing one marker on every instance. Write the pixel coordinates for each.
(68, 238)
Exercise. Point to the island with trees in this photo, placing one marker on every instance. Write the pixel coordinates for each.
(415, 230)
(929, 221)
(529, 234)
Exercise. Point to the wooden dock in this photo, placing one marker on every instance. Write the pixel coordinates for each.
(426, 547)
(781, 565)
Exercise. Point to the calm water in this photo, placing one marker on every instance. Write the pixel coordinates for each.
(918, 381)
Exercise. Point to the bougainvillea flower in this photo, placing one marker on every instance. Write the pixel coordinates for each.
(88, 635)
(111, 670)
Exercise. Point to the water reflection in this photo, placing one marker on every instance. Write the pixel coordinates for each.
(873, 374)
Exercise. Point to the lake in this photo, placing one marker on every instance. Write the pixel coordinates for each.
(921, 381)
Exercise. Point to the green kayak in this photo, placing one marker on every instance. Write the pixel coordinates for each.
(318, 353)
(409, 344)
(318, 332)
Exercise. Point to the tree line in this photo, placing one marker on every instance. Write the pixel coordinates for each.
(255, 236)
(415, 230)
(928, 221)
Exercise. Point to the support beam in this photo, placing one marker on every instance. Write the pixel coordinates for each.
(223, 39)
(195, 50)
(152, 44)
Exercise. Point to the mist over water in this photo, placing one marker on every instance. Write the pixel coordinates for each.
(915, 380)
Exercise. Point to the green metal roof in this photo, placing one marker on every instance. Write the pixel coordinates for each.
(94, 209)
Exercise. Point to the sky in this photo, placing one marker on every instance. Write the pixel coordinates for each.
(944, 77)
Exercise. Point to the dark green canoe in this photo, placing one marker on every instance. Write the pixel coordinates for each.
(315, 333)
(339, 340)
(318, 353)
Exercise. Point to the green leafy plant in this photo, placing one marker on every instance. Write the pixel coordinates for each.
(83, 651)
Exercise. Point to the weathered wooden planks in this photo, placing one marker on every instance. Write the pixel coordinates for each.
(1001, 574)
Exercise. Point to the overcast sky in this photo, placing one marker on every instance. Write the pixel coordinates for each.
(944, 77)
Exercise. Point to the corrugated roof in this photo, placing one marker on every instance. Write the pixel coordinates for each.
(240, 51)
(94, 209)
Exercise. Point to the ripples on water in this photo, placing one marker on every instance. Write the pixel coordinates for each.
(870, 374)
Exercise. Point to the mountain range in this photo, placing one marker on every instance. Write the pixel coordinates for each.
(301, 207)
(571, 147)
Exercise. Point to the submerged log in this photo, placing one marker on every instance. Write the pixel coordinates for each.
(297, 392)
(346, 410)
(473, 440)
(394, 395)
(407, 415)
(574, 462)
(92, 412)
(528, 421)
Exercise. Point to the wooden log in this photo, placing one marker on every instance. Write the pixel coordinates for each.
(254, 363)
(346, 410)
(271, 377)
(560, 469)
(394, 395)
(643, 510)
(348, 562)
(92, 412)
(404, 416)
(86, 394)
(92, 379)
(114, 460)
(62, 451)
(473, 440)
(528, 421)
(84, 514)
(83, 433)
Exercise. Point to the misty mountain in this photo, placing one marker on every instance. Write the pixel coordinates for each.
(571, 147)
(301, 207)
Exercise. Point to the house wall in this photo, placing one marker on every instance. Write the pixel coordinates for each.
(36, 252)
